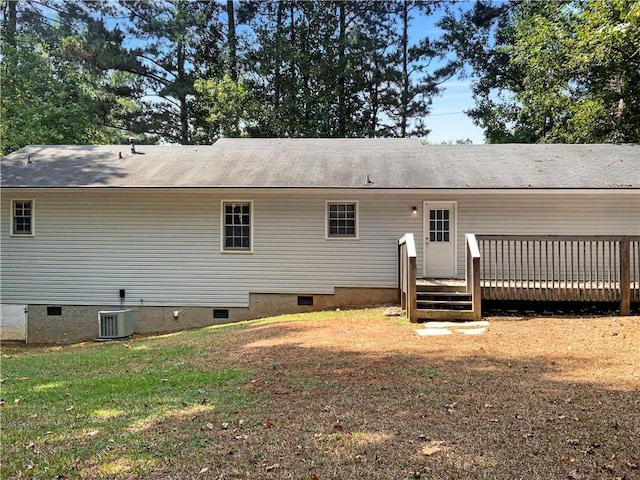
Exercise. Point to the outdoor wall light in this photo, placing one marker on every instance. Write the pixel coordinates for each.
(414, 210)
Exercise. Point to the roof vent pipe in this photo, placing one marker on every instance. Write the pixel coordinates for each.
(133, 146)
(120, 155)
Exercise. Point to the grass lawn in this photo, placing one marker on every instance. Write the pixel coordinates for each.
(330, 395)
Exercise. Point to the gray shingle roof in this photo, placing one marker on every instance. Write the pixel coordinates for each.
(325, 163)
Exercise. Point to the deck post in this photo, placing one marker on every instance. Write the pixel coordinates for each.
(472, 274)
(625, 276)
(400, 293)
(408, 276)
(412, 307)
(476, 297)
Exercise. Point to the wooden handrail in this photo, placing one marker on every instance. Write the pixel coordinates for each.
(473, 274)
(407, 275)
(568, 238)
(409, 240)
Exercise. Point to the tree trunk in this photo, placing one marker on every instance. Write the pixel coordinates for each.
(404, 98)
(184, 112)
(10, 22)
(342, 120)
(277, 87)
(232, 41)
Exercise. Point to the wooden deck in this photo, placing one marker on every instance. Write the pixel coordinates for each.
(571, 268)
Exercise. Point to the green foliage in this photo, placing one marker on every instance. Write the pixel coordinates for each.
(47, 101)
(230, 108)
(551, 71)
(59, 84)
(430, 372)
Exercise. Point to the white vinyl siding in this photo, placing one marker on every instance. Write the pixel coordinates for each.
(164, 246)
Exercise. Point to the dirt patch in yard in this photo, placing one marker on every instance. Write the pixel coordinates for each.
(334, 395)
(366, 397)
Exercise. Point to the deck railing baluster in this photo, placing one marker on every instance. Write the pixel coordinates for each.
(509, 287)
(543, 269)
(534, 261)
(594, 268)
(602, 273)
(482, 262)
(493, 262)
(529, 271)
(580, 269)
(521, 274)
(553, 270)
(593, 287)
(610, 285)
(635, 265)
(501, 268)
(573, 273)
(565, 266)
(605, 269)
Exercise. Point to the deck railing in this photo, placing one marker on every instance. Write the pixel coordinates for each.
(561, 267)
(407, 273)
(472, 270)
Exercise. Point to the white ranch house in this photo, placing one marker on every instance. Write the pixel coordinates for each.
(187, 236)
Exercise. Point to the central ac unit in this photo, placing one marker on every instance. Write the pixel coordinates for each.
(115, 323)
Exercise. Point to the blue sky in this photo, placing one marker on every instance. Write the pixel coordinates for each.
(447, 120)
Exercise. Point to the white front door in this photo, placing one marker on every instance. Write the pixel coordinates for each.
(440, 239)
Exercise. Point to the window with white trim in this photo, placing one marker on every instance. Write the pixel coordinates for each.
(237, 224)
(342, 219)
(22, 217)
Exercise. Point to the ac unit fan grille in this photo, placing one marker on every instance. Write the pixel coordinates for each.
(108, 325)
(115, 324)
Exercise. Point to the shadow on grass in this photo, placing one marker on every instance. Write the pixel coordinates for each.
(346, 400)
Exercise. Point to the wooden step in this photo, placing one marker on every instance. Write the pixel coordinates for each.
(444, 302)
(428, 314)
(443, 299)
(445, 306)
(441, 288)
(443, 294)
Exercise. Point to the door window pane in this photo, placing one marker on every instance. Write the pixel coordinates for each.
(439, 225)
